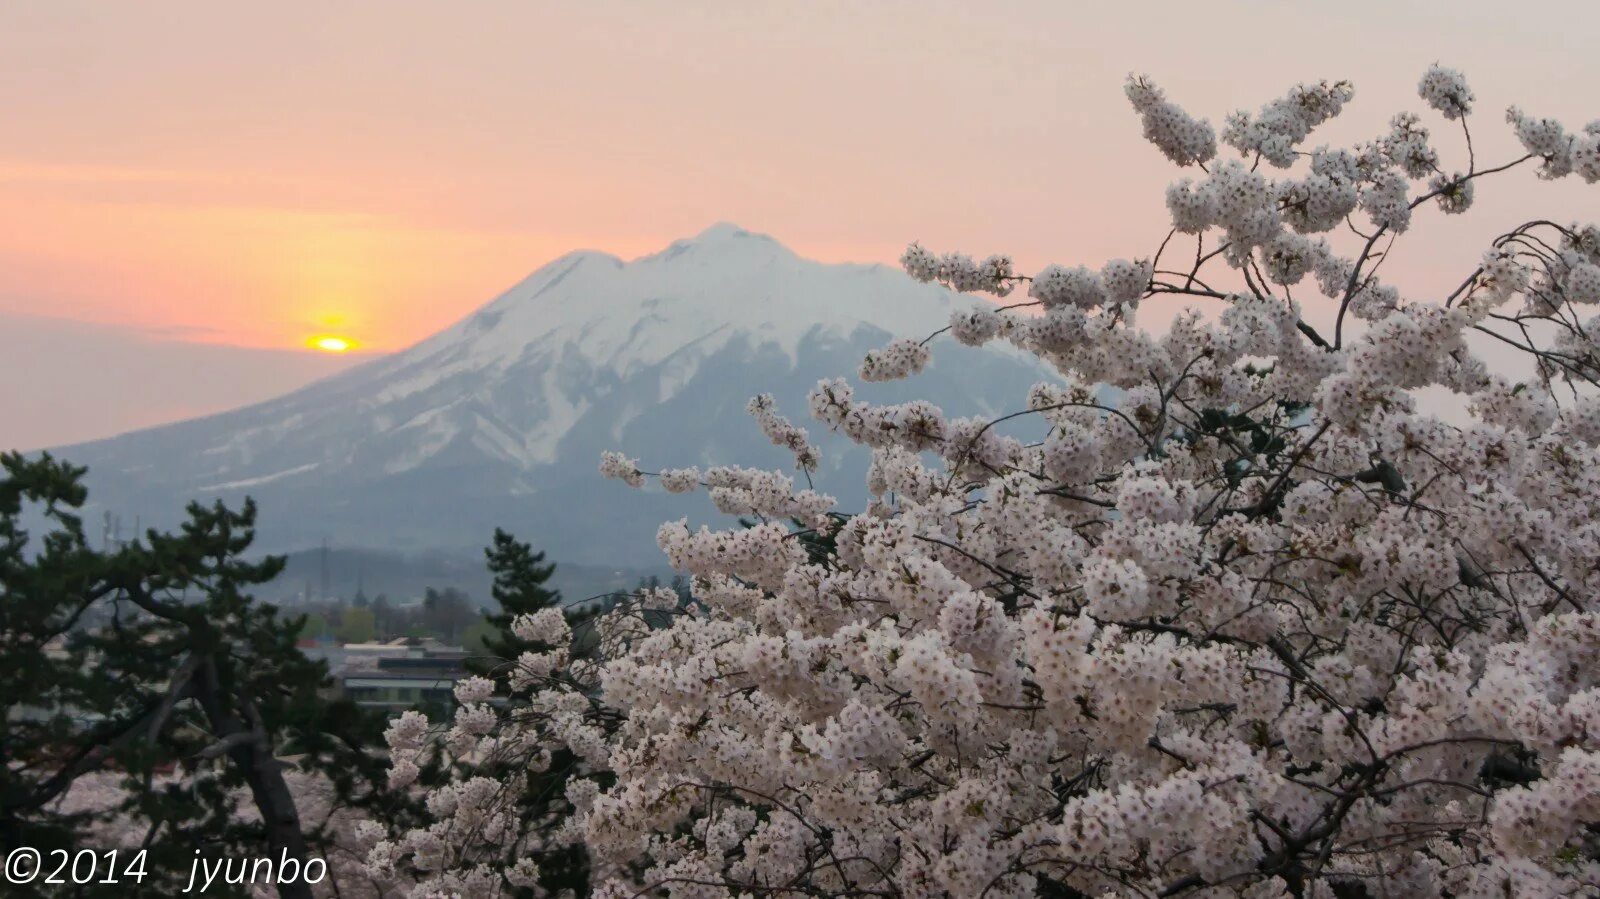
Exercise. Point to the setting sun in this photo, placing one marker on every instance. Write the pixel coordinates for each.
(331, 344)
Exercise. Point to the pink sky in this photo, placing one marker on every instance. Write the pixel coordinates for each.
(252, 174)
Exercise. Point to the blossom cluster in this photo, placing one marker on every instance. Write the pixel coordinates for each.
(1242, 614)
(782, 432)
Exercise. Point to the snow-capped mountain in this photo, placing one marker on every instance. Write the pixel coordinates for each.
(500, 419)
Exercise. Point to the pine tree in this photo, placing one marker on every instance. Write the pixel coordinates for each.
(519, 589)
(150, 658)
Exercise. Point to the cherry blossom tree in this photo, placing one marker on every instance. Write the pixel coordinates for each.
(1228, 610)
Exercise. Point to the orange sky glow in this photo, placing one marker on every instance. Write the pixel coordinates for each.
(262, 175)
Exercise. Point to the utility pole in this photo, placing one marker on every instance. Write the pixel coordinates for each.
(327, 591)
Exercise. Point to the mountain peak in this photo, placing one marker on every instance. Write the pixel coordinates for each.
(721, 232)
(690, 299)
(722, 240)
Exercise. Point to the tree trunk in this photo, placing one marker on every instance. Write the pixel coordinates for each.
(250, 749)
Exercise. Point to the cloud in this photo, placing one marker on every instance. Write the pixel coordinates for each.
(26, 171)
(180, 332)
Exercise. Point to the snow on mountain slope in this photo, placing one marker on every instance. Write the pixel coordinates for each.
(499, 419)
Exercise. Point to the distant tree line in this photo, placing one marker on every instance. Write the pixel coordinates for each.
(450, 615)
(446, 614)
